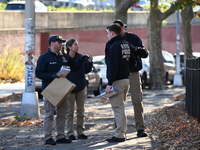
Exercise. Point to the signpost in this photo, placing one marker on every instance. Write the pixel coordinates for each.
(29, 106)
(177, 77)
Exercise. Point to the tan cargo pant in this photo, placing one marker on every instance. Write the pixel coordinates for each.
(117, 103)
(61, 112)
(136, 96)
(79, 98)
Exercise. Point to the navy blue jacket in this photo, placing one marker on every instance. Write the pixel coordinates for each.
(49, 64)
(78, 77)
(119, 58)
(141, 51)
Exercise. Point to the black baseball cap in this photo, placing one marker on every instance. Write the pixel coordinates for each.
(118, 21)
(55, 38)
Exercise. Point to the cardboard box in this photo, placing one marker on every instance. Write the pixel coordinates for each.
(58, 90)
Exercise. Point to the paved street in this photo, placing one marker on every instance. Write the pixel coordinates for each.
(9, 88)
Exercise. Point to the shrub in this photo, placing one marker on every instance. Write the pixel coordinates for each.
(11, 65)
(2, 6)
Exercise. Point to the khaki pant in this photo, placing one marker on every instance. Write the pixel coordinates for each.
(136, 96)
(79, 98)
(61, 112)
(117, 103)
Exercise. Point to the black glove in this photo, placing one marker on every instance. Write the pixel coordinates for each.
(84, 57)
(55, 75)
(139, 48)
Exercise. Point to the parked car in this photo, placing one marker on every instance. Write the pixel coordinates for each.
(20, 6)
(169, 68)
(105, 4)
(79, 4)
(99, 63)
(84, 3)
(93, 80)
(145, 72)
(182, 65)
(139, 6)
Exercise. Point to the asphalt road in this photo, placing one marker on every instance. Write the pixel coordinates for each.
(9, 88)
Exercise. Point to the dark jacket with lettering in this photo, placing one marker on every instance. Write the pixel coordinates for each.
(141, 51)
(78, 77)
(49, 64)
(119, 57)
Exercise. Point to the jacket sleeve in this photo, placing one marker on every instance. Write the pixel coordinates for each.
(142, 52)
(88, 66)
(133, 61)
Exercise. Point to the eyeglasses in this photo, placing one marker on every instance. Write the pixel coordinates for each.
(59, 37)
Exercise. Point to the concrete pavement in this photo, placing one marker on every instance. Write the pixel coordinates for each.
(99, 124)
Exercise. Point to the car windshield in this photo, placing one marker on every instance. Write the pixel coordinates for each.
(15, 7)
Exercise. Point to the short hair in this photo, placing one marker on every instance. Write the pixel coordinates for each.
(116, 28)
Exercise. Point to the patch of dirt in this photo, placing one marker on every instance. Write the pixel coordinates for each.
(14, 96)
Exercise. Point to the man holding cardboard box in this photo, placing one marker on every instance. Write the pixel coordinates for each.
(47, 69)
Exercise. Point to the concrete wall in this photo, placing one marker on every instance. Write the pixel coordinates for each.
(69, 20)
(54, 20)
(87, 27)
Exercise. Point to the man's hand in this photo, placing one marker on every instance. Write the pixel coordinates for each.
(108, 89)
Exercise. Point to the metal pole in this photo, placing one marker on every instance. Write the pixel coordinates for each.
(177, 77)
(29, 106)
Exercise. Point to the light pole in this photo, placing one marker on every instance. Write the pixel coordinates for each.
(29, 106)
(177, 77)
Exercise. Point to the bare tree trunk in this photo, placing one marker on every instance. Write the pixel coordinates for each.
(187, 15)
(121, 8)
(157, 73)
(155, 48)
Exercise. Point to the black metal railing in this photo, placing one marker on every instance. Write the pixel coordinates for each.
(193, 87)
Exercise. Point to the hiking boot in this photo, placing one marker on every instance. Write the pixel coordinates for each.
(72, 137)
(82, 136)
(50, 142)
(141, 133)
(115, 139)
(63, 141)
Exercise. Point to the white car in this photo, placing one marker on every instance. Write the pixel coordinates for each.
(20, 6)
(145, 72)
(169, 68)
(81, 4)
(182, 65)
(99, 63)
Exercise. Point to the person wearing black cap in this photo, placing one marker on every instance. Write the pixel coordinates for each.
(119, 58)
(135, 82)
(48, 65)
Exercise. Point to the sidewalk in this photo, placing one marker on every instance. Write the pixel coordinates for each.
(99, 125)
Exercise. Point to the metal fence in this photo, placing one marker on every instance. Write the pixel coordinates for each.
(193, 87)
